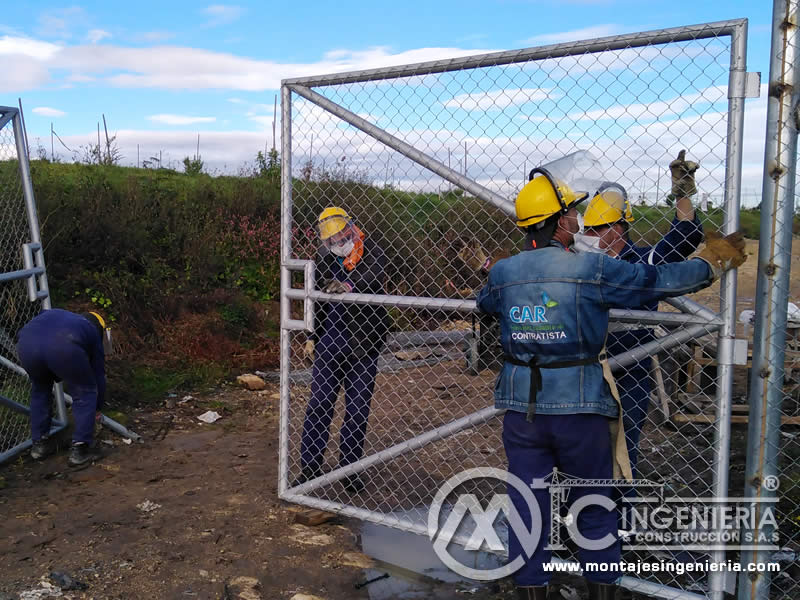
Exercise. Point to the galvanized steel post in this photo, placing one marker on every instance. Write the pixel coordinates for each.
(727, 333)
(772, 288)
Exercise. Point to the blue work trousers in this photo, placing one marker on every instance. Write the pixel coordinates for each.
(579, 446)
(335, 365)
(47, 362)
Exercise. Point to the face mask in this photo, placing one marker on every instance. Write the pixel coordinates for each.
(344, 249)
(587, 243)
(580, 222)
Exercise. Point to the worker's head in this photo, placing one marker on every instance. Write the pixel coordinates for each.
(608, 217)
(99, 323)
(546, 206)
(335, 228)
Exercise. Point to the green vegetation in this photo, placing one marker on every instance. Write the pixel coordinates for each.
(184, 262)
(152, 384)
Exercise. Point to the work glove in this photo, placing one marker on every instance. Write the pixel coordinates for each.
(682, 171)
(723, 253)
(308, 350)
(474, 257)
(337, 287)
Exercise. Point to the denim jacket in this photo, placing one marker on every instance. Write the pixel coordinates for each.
(553, 304)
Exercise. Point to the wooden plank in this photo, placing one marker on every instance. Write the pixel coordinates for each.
(710, 419)
(692, 372)
(313, 517)
(660, 389)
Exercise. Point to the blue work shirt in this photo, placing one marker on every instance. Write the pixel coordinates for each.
(678, 243)
(553, 304)
(57, 326)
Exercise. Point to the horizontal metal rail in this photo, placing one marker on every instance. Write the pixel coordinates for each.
(21, 274)
(14, 405)
(615, 42)
(469, 306)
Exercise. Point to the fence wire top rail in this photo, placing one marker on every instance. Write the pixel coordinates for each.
(615, 42)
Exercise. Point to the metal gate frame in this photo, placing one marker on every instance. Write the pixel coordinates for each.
(697, 319)
(33, 272)
(35, 275)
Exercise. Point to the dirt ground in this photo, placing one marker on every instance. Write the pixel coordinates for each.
(215, 528)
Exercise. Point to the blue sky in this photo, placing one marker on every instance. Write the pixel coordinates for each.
(162, 72)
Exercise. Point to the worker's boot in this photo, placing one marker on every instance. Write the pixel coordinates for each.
(81, 454)
(532, 592)
(602, 591)
(42, 448)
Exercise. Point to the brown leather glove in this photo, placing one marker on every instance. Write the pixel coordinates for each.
(337, 287)
(474, 257)
(723, 253)
(682, 171)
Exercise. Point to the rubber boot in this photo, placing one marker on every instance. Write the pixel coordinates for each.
(81, 454)
(532, 592)
(602, 591)
(42, 448)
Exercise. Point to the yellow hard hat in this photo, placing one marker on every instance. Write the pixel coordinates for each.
(100, 319)
(542, 197)
(610, 205)
(331, 221)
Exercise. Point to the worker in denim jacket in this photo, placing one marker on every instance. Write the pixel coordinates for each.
(557, 389)
(607, 221)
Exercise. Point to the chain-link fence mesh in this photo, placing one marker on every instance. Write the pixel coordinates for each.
(15, 307)
(419, 409)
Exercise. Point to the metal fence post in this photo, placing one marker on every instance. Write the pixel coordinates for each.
(286, 282)
(772, 291)
(727, 333)
(33, 223)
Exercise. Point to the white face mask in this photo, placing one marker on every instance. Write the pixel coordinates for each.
(344, 249)
(580, 222)
(587, 243)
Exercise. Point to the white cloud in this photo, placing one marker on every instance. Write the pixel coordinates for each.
(587, 33)
(26, 74)
(19, 46)
(46, 111)
(180, 119)
(60, 22)
(654, 110)
(154, 37)
(499, 99)
(170, 67)
(96, 35)
(222, 14)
